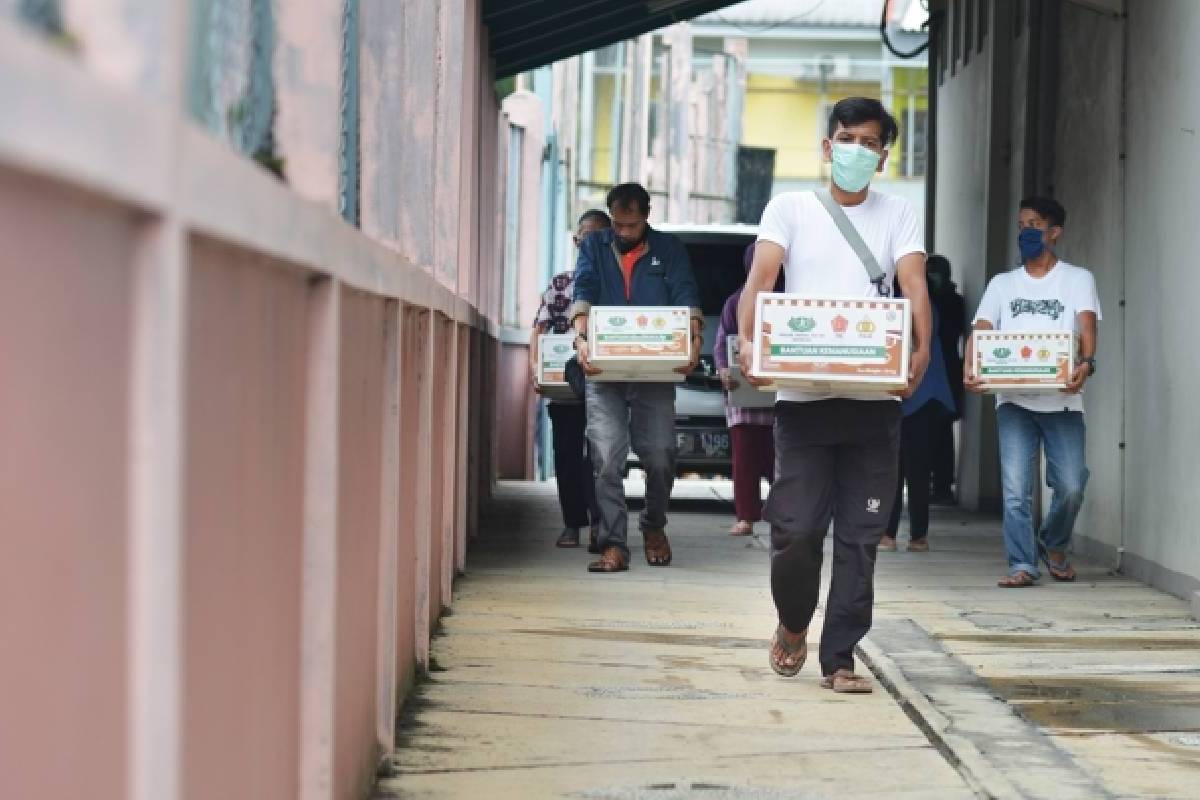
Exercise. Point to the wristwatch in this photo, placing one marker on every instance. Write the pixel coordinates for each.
(1091, 362)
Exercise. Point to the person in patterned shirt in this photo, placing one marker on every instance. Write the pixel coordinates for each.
(752, 429)
(572, 466)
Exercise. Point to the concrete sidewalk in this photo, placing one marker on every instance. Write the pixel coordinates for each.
(551, 682)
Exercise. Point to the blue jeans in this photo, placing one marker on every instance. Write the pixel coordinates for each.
(620, 415)
(1022, 434)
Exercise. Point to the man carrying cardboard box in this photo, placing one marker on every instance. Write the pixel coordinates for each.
(632, 265)
(838, 451)
(572, 466)
(1043, 295)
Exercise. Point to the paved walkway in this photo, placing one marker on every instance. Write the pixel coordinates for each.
(550, 682)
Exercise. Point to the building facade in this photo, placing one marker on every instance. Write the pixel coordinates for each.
(1093, 102)
(248, 345)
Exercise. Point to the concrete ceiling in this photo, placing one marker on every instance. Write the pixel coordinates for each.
(525, 34)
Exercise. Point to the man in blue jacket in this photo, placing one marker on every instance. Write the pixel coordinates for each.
(631, 264)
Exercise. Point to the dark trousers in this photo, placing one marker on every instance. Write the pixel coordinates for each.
(836, 460)
(753, 460)
(572, 467)
(943, 454)
(917, 442)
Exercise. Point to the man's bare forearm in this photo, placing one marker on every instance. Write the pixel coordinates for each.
(764, 272)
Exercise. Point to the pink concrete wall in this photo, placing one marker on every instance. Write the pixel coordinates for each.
(448, 164)
(479, 472)
(381, 99)
(490, 421)
(475, 81)
(65, 361)
(196, 500)
(449, 449)
(243, 508)
(436, 465)
(495, 153)
(515, 414)
(417, 105)
(308, 58)
(462, 460)
(524, 110)
(420, 470)
(411, 361)
(360, 440)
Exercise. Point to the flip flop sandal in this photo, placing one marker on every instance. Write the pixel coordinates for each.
(658, 548)
(1061, 571)
(1018, 580)
(780, 666)
(569, 538)
(846, 682)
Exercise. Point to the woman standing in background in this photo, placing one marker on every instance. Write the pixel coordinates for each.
(752, 429)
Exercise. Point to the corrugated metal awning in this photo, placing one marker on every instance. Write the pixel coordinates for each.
(531, 33)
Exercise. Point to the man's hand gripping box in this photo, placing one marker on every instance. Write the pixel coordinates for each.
(639, 343)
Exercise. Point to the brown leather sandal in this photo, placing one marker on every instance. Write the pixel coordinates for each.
(611, 560)
(793, 654)
(658, 549)
(844, 681)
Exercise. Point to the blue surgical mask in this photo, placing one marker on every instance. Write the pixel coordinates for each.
(1032, 242)
(853, 166)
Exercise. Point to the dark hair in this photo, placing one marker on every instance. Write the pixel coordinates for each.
(1047, 208)
(857, 110)
(938, 265)
(631, 197)
(596, 215)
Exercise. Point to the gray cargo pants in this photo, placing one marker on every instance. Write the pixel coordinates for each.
(641, 414)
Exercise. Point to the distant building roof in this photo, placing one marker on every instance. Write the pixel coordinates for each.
(779, 13)
(770, 14)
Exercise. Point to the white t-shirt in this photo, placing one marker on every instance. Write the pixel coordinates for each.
(821, 262)
(1016, 301)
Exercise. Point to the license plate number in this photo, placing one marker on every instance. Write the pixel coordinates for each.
(703, 444)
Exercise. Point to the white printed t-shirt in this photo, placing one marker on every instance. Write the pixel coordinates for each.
(1016, 301)
(819, 260)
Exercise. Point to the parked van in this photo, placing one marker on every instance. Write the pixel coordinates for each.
(705, 446)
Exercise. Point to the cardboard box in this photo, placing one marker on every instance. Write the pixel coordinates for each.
(859, 344)
(1027, 361)
(554, 351)
(639, 343)
(747, 395)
